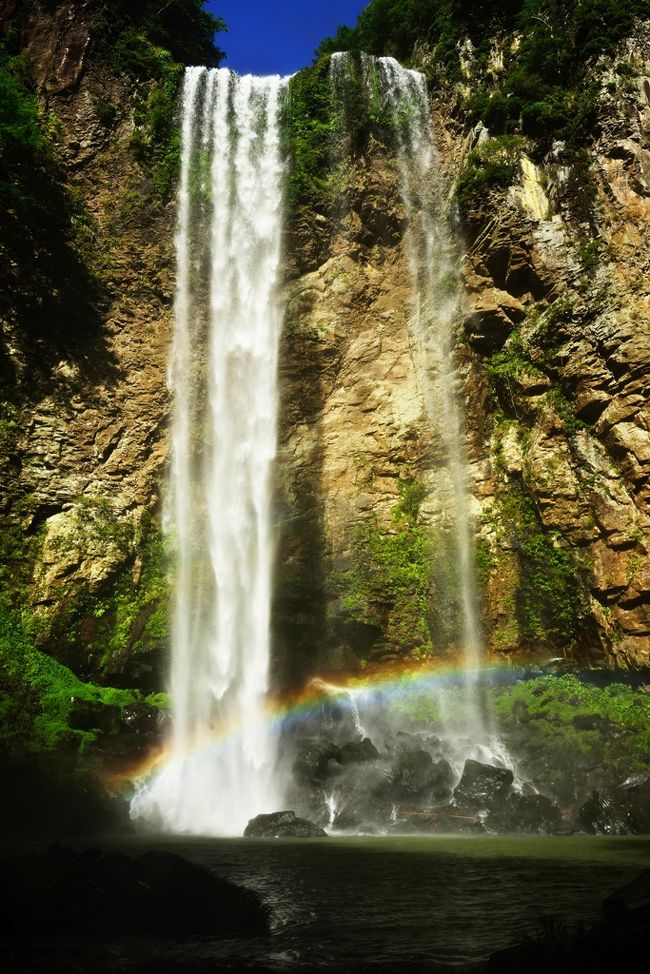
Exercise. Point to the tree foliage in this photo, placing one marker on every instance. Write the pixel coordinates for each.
(541, 90)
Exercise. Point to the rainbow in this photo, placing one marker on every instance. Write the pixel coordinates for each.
(393, 683)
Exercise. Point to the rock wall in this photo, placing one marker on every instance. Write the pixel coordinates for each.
(560, 299)
(88, 401)
(552, 359)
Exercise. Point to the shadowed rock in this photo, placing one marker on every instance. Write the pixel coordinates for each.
(360, 752)
(601, 815)
(482, 786)
(315, 761)
(158, 894)
(280, 824)
(525, 813)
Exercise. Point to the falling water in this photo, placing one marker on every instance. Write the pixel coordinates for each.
(223, 376)
(436, 311)
(398, 97)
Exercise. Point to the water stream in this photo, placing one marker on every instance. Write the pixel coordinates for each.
(397, 98)
(223, 377)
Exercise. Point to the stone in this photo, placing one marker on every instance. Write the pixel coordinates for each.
(533, 814)
(633, 796)
(112, 895)
(362, 752)
(601, 815)
(413, 773)
(315, 761)
(482, 786)
(277, 825)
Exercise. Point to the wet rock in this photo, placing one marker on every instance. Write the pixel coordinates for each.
(525, 813)
(633, 797)
(359, 752)
(362, 796)
(413, 773)
(445, 820)
(158, 893)
(601, 815)
(443, 780)
(280, 824)
(482, 785)
(315, 761)
(402, 743)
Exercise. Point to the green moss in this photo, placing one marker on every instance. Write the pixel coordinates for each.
(40, 698)
(567, 728)
(156, 141)
(141, 610)
(550, 602)
(484, 562)
(309, 126)
(160, 700)
(389, 581)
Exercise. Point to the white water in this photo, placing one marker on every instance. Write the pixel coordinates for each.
(223, 376)
(398, 97)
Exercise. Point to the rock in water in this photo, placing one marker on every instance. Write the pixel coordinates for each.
(600, 815)
(157, 894)
(525, 813)
(277, 825)
(482, 786)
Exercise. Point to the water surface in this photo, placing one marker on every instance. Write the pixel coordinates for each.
(430, 903)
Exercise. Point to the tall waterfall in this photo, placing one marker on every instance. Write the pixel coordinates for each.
(223, 376)
(399, 100)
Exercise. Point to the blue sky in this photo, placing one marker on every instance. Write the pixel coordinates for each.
(278, 36)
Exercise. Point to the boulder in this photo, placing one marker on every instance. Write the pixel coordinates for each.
(158, 894)
(413, 773)
(482, 785)
(277, 825)
(316, 759)
(601, 815)
(359, 752)
(525, 813)
(633, 796)
(443, 780)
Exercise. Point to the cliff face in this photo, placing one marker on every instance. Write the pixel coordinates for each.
(87, 399)
(553, 358)
(561, 324)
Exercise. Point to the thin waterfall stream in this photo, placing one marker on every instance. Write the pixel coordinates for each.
(398, 96)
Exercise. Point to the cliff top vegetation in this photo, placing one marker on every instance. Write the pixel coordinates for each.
(545, 47)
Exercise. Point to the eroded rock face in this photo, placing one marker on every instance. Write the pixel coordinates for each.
(571, 378)
(90, 400)
(552, 372)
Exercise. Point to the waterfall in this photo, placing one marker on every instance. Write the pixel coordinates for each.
(398, 99)
(223, 370)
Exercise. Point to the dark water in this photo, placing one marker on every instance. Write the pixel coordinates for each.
(427, 903)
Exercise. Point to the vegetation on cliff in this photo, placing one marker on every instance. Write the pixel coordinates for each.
(527, 61)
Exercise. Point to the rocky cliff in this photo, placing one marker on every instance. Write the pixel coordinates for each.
(85, 393)
(553, 360)
(552, 355)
